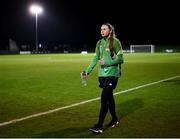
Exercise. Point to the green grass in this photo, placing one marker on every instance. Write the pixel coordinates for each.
(36, 83)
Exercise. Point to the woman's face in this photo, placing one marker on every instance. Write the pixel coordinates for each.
(105, 31)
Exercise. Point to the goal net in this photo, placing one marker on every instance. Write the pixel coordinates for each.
(148, 48)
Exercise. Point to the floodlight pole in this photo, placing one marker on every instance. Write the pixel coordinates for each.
(37, 32)
(36, 9)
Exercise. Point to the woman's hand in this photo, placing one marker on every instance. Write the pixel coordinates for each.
(83, 74)
(101, 62)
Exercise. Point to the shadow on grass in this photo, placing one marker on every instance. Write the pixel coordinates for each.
(175, 81)
(128, 107)
(124, 109)
(71, 132)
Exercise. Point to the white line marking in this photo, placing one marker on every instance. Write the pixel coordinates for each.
(83, 102)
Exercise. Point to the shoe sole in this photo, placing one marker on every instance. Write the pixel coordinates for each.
(114, 125)
(96, 131)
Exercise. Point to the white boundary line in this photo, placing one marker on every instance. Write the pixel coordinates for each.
(83, 102)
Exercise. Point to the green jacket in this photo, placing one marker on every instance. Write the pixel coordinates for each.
(112, 65)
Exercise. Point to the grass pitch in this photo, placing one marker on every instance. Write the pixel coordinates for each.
(31, 84)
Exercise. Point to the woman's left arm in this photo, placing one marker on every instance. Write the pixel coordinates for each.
(117, 48)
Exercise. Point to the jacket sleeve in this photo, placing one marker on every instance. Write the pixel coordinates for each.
(117, 48)
(94, 60)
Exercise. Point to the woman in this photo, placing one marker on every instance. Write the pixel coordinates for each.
(109, 56)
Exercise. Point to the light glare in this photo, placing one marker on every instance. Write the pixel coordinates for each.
(36, 9)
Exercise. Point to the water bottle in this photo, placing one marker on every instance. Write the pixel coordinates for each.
(84, 78)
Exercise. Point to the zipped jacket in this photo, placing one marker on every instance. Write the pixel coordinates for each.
(112, 58)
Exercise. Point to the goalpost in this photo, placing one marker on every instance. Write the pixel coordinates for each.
(142, 48)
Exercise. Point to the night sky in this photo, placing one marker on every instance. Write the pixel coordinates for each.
(78, 22)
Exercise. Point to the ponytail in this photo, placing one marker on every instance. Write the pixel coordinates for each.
(112, 35)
